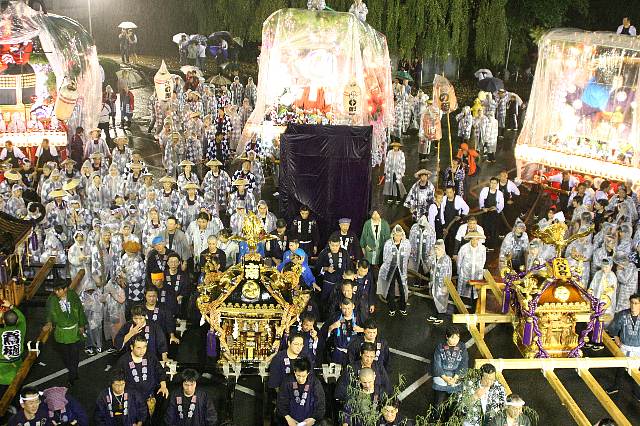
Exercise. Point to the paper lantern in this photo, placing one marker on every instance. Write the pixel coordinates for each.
(163, 83)
(66, 101)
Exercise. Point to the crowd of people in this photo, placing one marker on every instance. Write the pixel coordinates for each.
(144, 242)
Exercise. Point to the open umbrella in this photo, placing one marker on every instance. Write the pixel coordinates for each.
(491, 84)
(197, 38)
(218, 35)
(127, 25)
(239, 41)
(132, 78)
(483, 73)
(403, 75)
(219, 80)
(178, 37)
(188, 68)
(181, 82)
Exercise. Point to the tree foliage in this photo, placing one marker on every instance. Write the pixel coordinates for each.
(476, 31)
(491, 32)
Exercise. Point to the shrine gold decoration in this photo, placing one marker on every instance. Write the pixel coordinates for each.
(548, 299)
(250, 304)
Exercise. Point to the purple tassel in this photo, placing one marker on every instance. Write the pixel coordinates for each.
(506, 300)
(4, 277)
(596, 335)
(212, 344)
(34, 242)
(527, 332)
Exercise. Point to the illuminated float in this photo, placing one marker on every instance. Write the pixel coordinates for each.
(59, 91)
(582, 114)
(321, 68)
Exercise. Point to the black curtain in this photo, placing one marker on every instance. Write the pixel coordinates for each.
(328, 168)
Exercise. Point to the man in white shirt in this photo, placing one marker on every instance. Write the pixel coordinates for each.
(626, 28)
(103, 122)
(452, 209)
(11, 153)
(464, 229)
(491, 202)
(202, 55)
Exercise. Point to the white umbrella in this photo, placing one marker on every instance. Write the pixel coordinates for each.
(127, 25)
(130, 77)
(178, 37)
(173, 76)
(483, 73)
(188, 68)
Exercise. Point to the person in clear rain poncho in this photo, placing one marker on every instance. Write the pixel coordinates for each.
(392, 278)
(471, 261)
(422, 237)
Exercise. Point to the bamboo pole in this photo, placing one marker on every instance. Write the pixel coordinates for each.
(569, 403)
(450, 143)
(438, 165)
(603, 398)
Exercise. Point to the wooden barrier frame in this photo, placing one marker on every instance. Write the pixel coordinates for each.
(546, 365)
(39, 278)
(479, 339)
(31, 357)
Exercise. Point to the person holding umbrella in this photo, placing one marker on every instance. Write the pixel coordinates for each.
(183, 42)
(133, 45)
(202, 54)
(124, 45)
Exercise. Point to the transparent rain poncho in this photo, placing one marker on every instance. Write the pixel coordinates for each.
(69, 50)
(328, 65)
(582, 114)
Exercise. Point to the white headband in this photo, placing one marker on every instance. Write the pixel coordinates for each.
(516, 403)
(30, 398)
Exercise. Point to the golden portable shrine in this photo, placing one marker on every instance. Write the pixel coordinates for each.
(549, 299)
(544, 305)
(246, 304)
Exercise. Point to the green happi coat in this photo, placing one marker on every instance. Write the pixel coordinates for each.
(12, 344)
(372, 247)
(66, 324)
